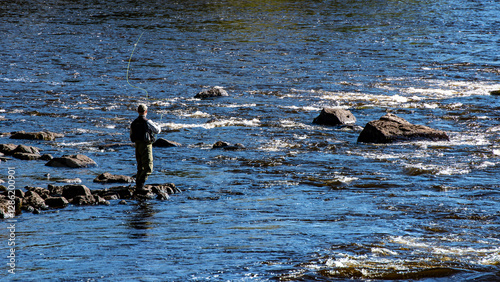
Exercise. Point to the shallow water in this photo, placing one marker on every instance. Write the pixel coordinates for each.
(302, 202)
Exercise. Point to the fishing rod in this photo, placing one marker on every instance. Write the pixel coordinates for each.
(128, 67)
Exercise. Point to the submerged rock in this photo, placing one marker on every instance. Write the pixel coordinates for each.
(216, 91)
(227, 146)
(161, 142)
(391, 128)
(72, 161)
(329, 116)
(42, 135)
(113, 178)
(495, 92)
(56, 202)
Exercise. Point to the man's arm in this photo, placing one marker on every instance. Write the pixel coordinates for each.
(154, 127)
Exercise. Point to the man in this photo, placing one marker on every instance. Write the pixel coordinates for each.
(142, 132)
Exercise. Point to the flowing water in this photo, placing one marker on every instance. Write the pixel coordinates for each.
(302, 202)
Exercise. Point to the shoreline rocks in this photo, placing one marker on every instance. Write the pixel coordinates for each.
(164, 143)
(36, 199)
(391, 128)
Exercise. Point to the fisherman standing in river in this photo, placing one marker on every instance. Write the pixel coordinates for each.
(142, 133)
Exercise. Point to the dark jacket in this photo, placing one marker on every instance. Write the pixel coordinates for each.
(143, 129)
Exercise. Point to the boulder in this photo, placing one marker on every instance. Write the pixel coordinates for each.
(7, 149)
(216, 91)
(26, 149)
(391, 128)
(27, 156)
(24, 152)
(56, 202)
(6, 208)
(72, 161)
(161, 142)
(495, 92)
(33, 200)
(42, 135)
(44, 193)
(335, 117)
(71, 191)
(227, 146)
(113, 178)
(84, 200)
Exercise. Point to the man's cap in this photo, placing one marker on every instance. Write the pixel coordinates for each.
(142, 108)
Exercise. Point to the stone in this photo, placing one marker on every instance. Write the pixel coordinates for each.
(161, 142)
(72, 191)
(42, 135)
(56, 202)
(55, 190)
(495, 92)
(72, 161)
(27, 156)
(216, 91)
(391, 128)
(112, 178)
(7, 149)
(335, 117)
(32, 199)
(44, 193)
(26, 149)
(84, 200)
(220, 144)
(6, 208)
(227, 146)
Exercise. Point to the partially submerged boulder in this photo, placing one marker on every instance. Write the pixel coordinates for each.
(216, 91)
(391, 128)
(495, 92)
(72, 161)
(227, 146)
(335, 117)
(162, 142)
(42, 135)
(113, 178)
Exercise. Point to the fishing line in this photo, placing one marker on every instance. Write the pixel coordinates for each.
(128, 67)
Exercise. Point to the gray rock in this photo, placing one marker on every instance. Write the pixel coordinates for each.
(113, 178)
(335, 117)
(72, 161)
(216, 91)
(391, 128)
(27, 156)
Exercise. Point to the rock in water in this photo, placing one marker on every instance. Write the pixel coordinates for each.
(329, 116)
(112, 178)
(47, 136)
(391, 128)
(162, 142)
(72, 161)
(216, 91)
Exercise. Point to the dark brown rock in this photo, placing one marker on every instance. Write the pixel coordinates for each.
(56, 202)
(42, 135)
(220, 144)
(27, 156)
(161, 142)
(32, 199)
(44, 193)
(26, 149)
(71, 191)
(391, 128)
(495, 92)
(7, 149)
(112, 178)
(72, 161)
(84, 200)
(335, 117)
